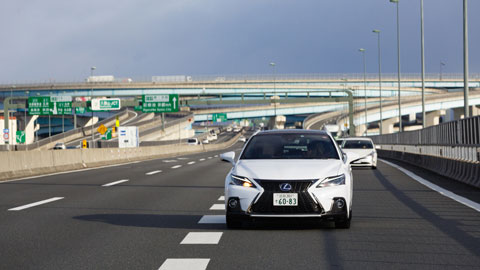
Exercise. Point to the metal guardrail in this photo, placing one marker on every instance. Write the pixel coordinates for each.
(464, 132)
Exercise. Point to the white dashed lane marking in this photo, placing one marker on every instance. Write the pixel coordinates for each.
(176, 166)
(216, 155)
(35, 204)
(202, 238)
(170, 160)
(191, 162)
(185, 264)
(202, 159)
(212, 219)
(182, 158)
(222, 198)
(209, 157)
(154, 172)
(115, 183)
(218, 207)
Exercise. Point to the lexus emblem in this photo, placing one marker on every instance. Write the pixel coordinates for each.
(285, 187)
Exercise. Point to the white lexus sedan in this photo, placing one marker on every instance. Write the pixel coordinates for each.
(364, 148)
(289, 174)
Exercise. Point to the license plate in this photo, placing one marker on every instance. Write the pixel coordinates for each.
(285, 199)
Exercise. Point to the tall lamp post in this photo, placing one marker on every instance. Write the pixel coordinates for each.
(379, 78)
(465, 59)
(91, 99)
(441, 66)
(398, 61)
(274, 91)
(423, 63)
(362, 50)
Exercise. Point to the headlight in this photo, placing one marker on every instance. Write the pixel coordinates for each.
(372, 154)
(332, 181)
(240, 181)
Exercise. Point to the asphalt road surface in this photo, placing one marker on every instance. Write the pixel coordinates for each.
(157, 215)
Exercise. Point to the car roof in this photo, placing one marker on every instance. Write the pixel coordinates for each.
(291, 131)
(358, 139)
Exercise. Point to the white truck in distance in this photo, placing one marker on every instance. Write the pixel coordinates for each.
(103, 78)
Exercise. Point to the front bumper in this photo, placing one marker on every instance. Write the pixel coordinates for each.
(367, 161)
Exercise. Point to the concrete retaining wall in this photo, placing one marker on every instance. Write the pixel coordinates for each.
(29, 163)
(462, 171)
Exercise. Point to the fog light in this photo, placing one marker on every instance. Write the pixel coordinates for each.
(340, 203)
(232, 203)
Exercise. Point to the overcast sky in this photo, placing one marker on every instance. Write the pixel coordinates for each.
(60, 40)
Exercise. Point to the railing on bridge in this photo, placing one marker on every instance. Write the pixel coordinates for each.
(464, 132)
(451, 149)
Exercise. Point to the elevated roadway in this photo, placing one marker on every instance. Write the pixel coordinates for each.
(146, 220)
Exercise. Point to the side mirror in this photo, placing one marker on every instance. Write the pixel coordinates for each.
(350, 156)
(229, 156)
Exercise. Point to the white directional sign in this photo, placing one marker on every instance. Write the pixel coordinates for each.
(106, 104)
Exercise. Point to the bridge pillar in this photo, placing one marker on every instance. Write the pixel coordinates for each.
(412, 117)
(387, 126)
(433, 118)
(277, 122)
(360, 130)
(474, 110)
(29, 127)
(86, 121)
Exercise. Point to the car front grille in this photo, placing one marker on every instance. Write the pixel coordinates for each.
(306, 205)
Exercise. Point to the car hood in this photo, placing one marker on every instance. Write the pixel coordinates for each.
(360, 152)
(287, 169)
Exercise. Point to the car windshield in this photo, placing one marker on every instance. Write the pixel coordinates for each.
(290, 146)
(357, 144)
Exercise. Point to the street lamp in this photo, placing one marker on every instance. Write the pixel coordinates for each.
(465, 59)
(362, 50)
(441, 65)
(379, 78)
(91, 99)
(398, 61)
(423, 63)
(274, 91)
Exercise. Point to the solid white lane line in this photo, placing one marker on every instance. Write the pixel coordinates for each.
(202, 159)
(35, 204)
(218, 207)
(222, 198)
(444, 192)
(191, 162)
(202, 238)
(184, 264)
(115, 183)
(212, 219)
(154, 172)
(176, 166)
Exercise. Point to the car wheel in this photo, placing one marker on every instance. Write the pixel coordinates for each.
(344, 223)
(234, 222)
(374, 167)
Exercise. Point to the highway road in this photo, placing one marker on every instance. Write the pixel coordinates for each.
(162, 214)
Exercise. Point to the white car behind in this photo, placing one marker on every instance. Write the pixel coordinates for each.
(364, 148)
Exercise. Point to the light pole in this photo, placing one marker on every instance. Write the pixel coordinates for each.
(274, 91)
(362, 50)
(423, 63)
(25, 111)
(91, 100)
(465, 59)
(441, 65)
(379, 78)
(398, 61)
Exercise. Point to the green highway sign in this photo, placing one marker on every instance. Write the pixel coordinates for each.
(61, 105)
(219, 117)
(80, 110)
(160, 103)
(107, 135)
(106, 104)
(39, 106)
(20, 136)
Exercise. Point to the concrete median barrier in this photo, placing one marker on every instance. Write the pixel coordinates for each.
(30, 163)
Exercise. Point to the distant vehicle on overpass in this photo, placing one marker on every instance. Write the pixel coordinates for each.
(171, 79)
(333, 129)
(104, 78)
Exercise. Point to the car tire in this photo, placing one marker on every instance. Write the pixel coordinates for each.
(344, 223)
(374, 167)
(234, 222)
